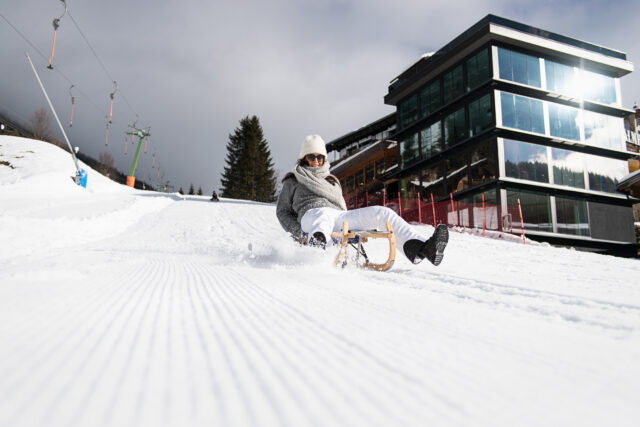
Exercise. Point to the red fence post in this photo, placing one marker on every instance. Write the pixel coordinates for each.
(399, 205)
(384, 197)
(366, 198)
(419, 209)
(453, 211)
(483, 217)
(524, 239)
(433, 208)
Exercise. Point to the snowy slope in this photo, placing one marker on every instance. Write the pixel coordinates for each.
(120, 307)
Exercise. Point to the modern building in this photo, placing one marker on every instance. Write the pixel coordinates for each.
(513, 114)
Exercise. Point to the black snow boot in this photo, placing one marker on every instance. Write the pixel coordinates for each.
(432, 249)
(318, 240)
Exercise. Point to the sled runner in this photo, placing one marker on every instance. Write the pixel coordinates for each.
(353, 238)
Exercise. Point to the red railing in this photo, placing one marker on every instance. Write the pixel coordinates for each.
(479, 215)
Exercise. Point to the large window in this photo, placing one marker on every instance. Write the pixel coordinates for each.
(603, 131)
(432, 182)
(457, 173)
(571, 216)
(580, 83)
(453, 84)
(560, 78)
(480, 115)
(430, 98)
(477, 69)
(568, 168)
(483, 162)
(522, 113)
(598, 87)
(563, 122)
(605, 173)
(518, 67)
(431, 140)
(408, 111)
(525, 161)
(410, 186)
(536, 209)
(455, 128)
(409, 150)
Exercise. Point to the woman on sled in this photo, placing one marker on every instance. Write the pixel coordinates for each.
(311, 202)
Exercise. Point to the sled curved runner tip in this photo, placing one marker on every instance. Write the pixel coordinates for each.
(346, 236)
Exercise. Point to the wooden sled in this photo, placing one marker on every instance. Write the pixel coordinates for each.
(346, 237)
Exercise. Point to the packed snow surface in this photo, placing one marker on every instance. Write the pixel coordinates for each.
(121, 307)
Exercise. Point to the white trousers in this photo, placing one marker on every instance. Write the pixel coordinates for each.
(328, 220)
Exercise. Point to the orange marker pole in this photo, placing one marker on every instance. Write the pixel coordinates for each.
(524, 239)
(433, 208)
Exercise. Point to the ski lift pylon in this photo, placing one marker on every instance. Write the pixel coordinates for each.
(56, 25)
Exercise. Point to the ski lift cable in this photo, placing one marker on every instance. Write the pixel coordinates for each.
(99, 60)
(68, 80)
(57, 69)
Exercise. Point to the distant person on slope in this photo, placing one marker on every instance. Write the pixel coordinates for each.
(214, 197)
(311, 202)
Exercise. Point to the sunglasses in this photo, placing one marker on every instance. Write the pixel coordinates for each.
(312, 157)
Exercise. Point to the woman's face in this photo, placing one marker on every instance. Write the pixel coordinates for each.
(314, 160)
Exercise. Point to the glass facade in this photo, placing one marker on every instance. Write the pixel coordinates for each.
(568, 168)
(455, 128)
(571, 216)
(560, 78)
(525, 161)
(563, 122)
(598, 87)
(409, 150)
(410, 186)
(408, 110)
(480, 115)
(518, 67)
(522, 113)
(530, 162)
(430, 98)
(605, 174)
(536, 209)
(603, 131)
(483, 166)
(457, 173)
(478, 70)
(580, 83)
(431, 140)
(557, 170)
(452, 84)
(432, 182)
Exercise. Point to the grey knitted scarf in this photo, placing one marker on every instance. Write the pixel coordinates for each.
(314, 180)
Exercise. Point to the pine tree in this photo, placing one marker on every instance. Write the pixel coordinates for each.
(191, 190)
(199, 191)
(181, 191)
(249, 173)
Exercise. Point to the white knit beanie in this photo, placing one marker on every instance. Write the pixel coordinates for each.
(313, 144)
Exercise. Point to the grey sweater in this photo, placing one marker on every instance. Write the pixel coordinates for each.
(294, 201)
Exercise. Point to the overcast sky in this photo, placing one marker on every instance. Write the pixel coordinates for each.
(192, 69)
